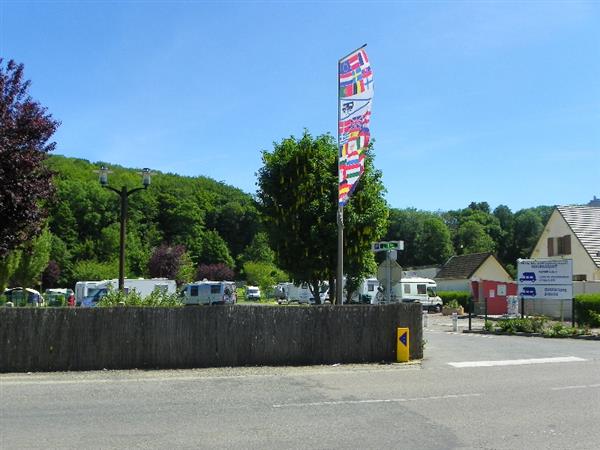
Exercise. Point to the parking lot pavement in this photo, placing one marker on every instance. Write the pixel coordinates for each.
(439, 322)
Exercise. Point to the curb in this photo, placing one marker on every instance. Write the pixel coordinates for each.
(521, 333)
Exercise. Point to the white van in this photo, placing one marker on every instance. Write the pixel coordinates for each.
(417, 289)
(209, 293)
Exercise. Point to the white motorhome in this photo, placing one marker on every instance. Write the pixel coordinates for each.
(95, 290)
(82, 289)
(207, 292)
(289, 292)
(416, 289)
(366, 292)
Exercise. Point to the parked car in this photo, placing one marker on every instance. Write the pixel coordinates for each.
(24, 296)
(252, 293)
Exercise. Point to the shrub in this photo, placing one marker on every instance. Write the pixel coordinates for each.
(587, 309)
(461, 297)
(156, 299)
(453, 304)
(488, 325)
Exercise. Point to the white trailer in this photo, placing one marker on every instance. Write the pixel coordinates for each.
(209, 293)
(95, 290)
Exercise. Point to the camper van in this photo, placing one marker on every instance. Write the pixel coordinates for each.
(93, 291)
(209, 293)
(82, 290)
(289, 292)
(366, 292)
(422, 290)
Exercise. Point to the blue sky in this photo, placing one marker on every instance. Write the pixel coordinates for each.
(474, 100)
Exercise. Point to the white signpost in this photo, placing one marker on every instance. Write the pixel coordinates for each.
(543, 279)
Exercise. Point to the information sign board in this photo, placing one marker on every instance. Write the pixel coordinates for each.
(545, 278)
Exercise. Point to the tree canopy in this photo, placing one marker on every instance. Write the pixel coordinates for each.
(298, 199)
(26, 128)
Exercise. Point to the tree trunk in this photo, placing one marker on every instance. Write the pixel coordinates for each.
(316, 291)
(332, 291)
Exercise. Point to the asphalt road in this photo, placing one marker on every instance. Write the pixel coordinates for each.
(530, 401)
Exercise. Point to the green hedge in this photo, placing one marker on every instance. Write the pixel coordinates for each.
(587, 309)
(461, 297)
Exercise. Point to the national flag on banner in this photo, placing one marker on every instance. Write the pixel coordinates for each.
(354, 95)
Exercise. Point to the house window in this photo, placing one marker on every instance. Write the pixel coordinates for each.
(564, 245)
(550, 246)
(559, 245)
(580, 277)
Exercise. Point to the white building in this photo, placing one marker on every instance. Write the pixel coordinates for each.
(573, 232)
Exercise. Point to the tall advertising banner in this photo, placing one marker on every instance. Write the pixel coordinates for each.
(355, 94)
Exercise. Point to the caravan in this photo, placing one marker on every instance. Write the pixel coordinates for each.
(209, 293)
(89, 293)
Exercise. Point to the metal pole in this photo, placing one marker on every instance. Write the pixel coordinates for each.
(123, 196)
(388, 286)
(485, 299)
(340, 258)
(522, 307)
(470, 312)
(573, 312)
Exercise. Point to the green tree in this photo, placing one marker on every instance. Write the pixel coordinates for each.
(472, 238)
(528, 228)
(91, 270)
(298, 198)
(33, 261)
(434, 244)
(8, 265)
(214, 249)
(406, 225)
(258, 250)
(263, 274)
(507, 224)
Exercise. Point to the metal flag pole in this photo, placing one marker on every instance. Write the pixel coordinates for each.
(340, 212)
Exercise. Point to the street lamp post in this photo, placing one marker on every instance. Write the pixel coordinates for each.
(124, 194)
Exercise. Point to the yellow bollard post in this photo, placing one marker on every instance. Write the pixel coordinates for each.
(403, 345)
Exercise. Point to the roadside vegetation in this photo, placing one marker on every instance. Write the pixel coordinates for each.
(536, 325)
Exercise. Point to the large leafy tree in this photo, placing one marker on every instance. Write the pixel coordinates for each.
(434, 244)
(298, 198)
(25, 182)
(34, 259)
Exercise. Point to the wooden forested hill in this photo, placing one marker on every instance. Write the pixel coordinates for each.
(213, 220)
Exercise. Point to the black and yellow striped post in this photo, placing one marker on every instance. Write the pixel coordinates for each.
(403, 345)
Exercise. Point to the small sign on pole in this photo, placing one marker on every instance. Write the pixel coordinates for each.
(384, 246)
(403, 345)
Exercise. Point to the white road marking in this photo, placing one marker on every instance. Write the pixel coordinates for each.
(367, 401)
(515, 362)
(583, 386)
